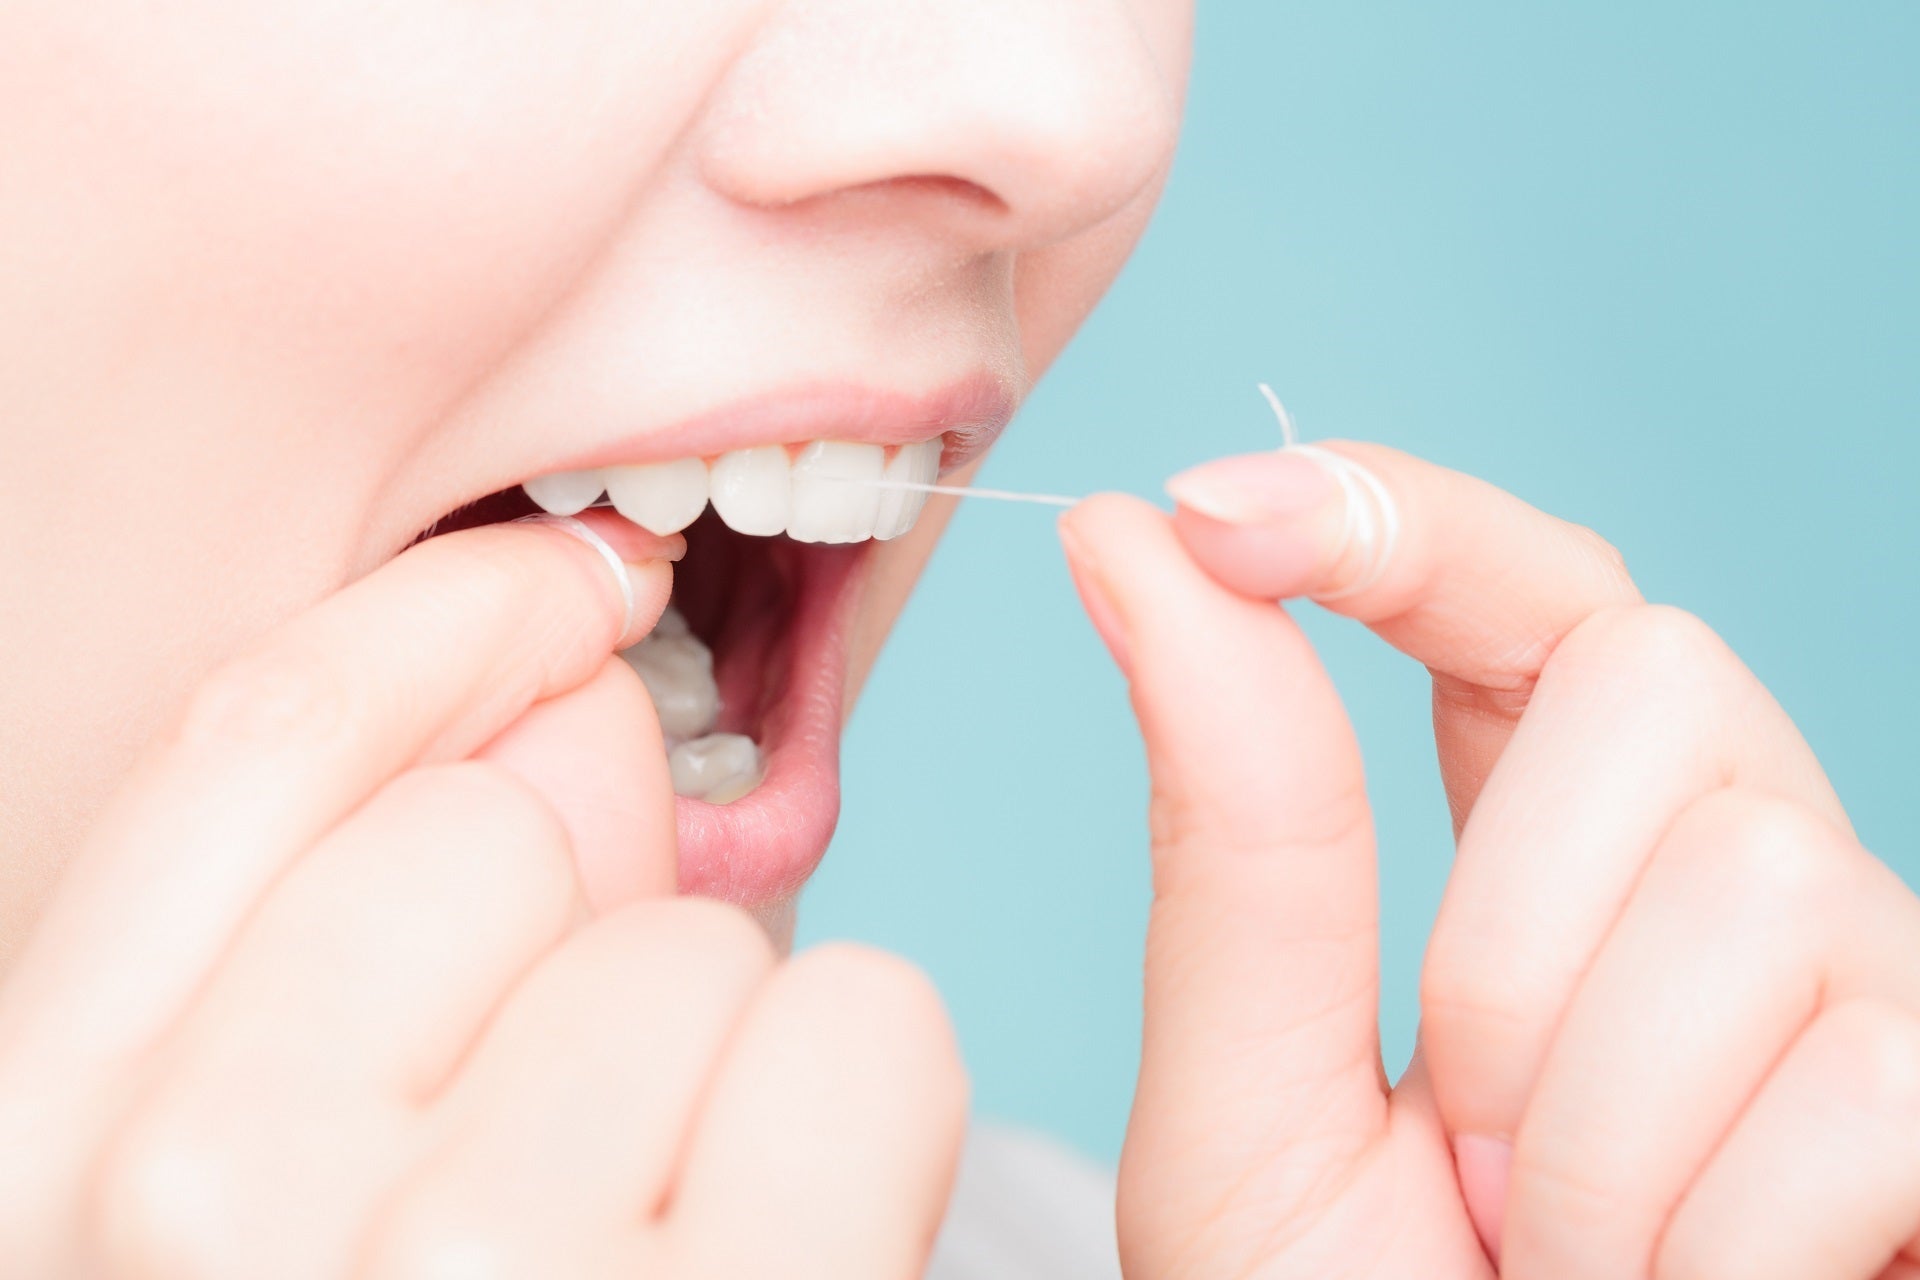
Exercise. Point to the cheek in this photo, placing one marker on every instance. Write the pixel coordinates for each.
(1056, 288)
(351, 183)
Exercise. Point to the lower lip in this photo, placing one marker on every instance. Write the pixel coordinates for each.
(761, 849)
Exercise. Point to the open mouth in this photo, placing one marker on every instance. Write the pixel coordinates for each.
(748, 668)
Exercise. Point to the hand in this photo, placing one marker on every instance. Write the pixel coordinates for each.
(1670, 1018)
(373, 970)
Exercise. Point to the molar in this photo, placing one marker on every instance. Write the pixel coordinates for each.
(678, 672)
(719, 768)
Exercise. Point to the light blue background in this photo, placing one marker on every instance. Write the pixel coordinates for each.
(1651, 265)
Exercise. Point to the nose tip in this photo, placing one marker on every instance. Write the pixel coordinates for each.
(1015, 123)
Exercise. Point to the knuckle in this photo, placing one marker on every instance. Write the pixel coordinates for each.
(880, 979)
(163, 1201)
(1878, 1045)
(1757, 851)
(1612, 564)
(433, 1238)
(267, 701)
(895, 997)
(489, 796)
(1640, 640)
(719, 930)
(706, 938)
(511, 839)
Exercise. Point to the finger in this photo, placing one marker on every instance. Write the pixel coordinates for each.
(827, 1146)
(1463, 577)
(1262, 957)
(1640, 713)
(424, 660)
(1752, 914)
(594, 753)
(1822, 1175)
(345, 1000)
(562, 1129)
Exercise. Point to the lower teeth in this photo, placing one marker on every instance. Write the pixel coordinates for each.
(718, 768)
(678, 671)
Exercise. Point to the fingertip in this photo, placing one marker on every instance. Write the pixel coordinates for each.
(1267, 562)
(1095, 522)
(652, 590)
(648, 559)
(1275, 525)
(1093, 533)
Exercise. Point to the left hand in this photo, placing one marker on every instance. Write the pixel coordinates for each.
(1670, 1016)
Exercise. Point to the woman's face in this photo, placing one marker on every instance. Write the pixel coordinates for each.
(282, 284)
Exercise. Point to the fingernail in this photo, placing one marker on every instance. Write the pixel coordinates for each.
(1095, 598)
(1256, 489)
(1483, 1165)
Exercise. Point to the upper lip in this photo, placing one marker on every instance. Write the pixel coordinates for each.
(970, 413)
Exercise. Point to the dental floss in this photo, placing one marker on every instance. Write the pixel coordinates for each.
(1289, 437)
(580, 530)
(1372, 519)
(963, 491)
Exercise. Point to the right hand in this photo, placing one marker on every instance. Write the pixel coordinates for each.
(373, 969)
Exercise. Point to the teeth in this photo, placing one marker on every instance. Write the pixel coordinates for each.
(672, 623)
(825, 507)
(565, 493)
(719, 768)
(663, 498)
(752, 490)
(822, 494)
(899, 508)
(678, 671)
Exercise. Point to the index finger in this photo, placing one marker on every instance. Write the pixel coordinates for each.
(1462, 576)
(424, 660)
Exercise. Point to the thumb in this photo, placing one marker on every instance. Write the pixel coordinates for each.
(1260, 1079)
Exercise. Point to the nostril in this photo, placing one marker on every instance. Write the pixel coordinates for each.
(943, 187)
(931, 191)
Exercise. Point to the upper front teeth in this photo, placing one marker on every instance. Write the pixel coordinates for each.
(826, 508)
(665, 497)
(822, 494)
(565, 493)
(753, 490)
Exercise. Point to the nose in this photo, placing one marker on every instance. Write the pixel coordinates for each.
(1011, 124)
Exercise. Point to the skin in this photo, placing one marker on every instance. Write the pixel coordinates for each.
(295, 825)
(1670, 1014)
(287, 282)
(284, 283)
